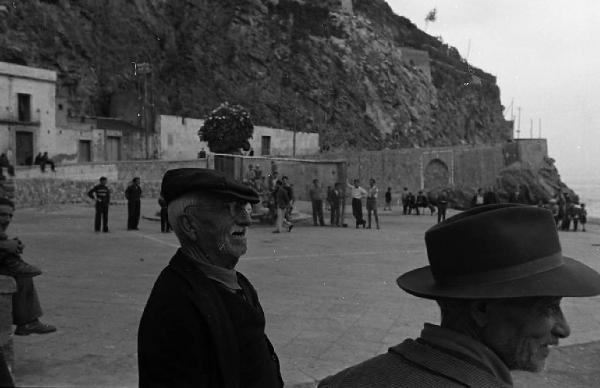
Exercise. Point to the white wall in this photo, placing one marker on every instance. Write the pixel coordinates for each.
(179, 139)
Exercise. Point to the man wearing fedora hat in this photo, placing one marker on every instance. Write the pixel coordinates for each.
(203, 325)
(498, 274)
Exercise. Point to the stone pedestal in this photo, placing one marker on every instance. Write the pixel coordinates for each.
(8, 286)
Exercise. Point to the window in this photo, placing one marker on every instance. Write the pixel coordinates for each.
(24, 107)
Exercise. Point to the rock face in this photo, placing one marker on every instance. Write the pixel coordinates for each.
(348, 70)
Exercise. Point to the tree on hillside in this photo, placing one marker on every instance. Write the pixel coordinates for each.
(227, 129)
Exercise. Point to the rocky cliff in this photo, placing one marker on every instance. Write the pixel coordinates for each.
(349, 70)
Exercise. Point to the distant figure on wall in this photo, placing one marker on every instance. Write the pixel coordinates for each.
(101, 194)
(490, 197)
(38, 159)
(133, 194)
(388, 199)
(202, 154)
(44, 160)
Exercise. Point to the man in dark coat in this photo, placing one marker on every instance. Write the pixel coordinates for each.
(101, 194)
(500, 308)
(133, 194)
(203, 325)
(335, 201)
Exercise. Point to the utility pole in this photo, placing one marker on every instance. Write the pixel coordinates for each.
(531, 128)
(540, 128)
(519, 122)
(145, 68)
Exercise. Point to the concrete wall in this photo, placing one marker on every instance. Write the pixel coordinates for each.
(300, 172)
(178, 137)
(532, 152)
(40, 84)
(70, 183)
(467, 167)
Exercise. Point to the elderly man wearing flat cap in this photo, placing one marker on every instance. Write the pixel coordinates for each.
(203, 325)
(498, 276)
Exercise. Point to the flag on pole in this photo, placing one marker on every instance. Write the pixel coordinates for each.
(431, 16)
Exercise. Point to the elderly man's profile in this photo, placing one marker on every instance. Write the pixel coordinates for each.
(203, 325)
(498, 275)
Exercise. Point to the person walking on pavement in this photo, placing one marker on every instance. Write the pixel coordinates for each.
(405, 201)
(101, 194)
(388, 199)
(165, 226)
(335, 201)
(357, 194)
(442, 205)
(282, 202)
(372, 194)
(133, 193)
(316, 198)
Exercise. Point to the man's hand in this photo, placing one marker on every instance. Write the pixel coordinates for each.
(12, 246)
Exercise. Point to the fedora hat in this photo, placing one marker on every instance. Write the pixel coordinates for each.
(498, 251)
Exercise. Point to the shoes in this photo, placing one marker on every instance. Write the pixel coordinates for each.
(290, 227)
(35, 327)
(105, 231)
(276, 231)
(18, 268)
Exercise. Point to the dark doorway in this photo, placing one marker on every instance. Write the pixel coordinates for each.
(24, 107)
(24, 153)
(436, 175)
(113, 148)
(265, 148)
(85, 151)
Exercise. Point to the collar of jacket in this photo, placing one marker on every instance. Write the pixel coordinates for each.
(446, 364)
(205, 297)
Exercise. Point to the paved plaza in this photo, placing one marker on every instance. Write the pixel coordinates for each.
(329, 295)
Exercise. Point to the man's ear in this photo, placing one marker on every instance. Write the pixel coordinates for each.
(187, 226)
(480, 312)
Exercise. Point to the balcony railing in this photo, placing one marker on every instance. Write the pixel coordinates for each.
(12, 118)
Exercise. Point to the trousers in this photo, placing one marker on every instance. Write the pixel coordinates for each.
(101, 214)
(133, 214)
(25, 302)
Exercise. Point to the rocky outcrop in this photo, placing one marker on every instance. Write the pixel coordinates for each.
(312, 66)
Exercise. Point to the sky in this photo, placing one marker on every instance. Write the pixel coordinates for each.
(546, 57)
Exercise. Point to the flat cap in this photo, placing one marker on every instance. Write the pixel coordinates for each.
(179, 181)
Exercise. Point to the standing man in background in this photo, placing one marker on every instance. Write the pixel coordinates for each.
(316, 198)
(372, 194)
(357, 194)
(405, 201)
(335, 200)
(101, 194)
(133, 193)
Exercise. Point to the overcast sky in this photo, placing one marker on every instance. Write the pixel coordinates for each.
(545, 54)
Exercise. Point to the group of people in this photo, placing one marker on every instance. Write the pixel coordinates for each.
(100, 194)
(566, 212)
(42, 160)
(203, 324)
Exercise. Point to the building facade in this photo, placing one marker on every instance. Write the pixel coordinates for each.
(177, 139)
(27, 117)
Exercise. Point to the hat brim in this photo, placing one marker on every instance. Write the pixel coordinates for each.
(572, 279)
(230, 196)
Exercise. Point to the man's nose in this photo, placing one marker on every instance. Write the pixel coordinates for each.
(561, 328)
(243, 217)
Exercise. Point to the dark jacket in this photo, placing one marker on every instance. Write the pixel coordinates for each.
(186, 338)
(282, 198)
(133, 192)
(416, 365)
(102, 194)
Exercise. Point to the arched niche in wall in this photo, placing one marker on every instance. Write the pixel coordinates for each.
(436, 175)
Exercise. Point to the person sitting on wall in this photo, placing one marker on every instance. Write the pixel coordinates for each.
(38, 159)
(46, 160)
(202, 154)
(25, 302)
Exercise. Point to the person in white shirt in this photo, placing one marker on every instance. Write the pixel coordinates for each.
(357, 195)
(372, 194)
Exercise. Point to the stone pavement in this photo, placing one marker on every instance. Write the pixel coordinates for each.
(329, 295)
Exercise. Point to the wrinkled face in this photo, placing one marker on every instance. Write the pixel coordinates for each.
(521, 330)
(220, 229)
(6, 215)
